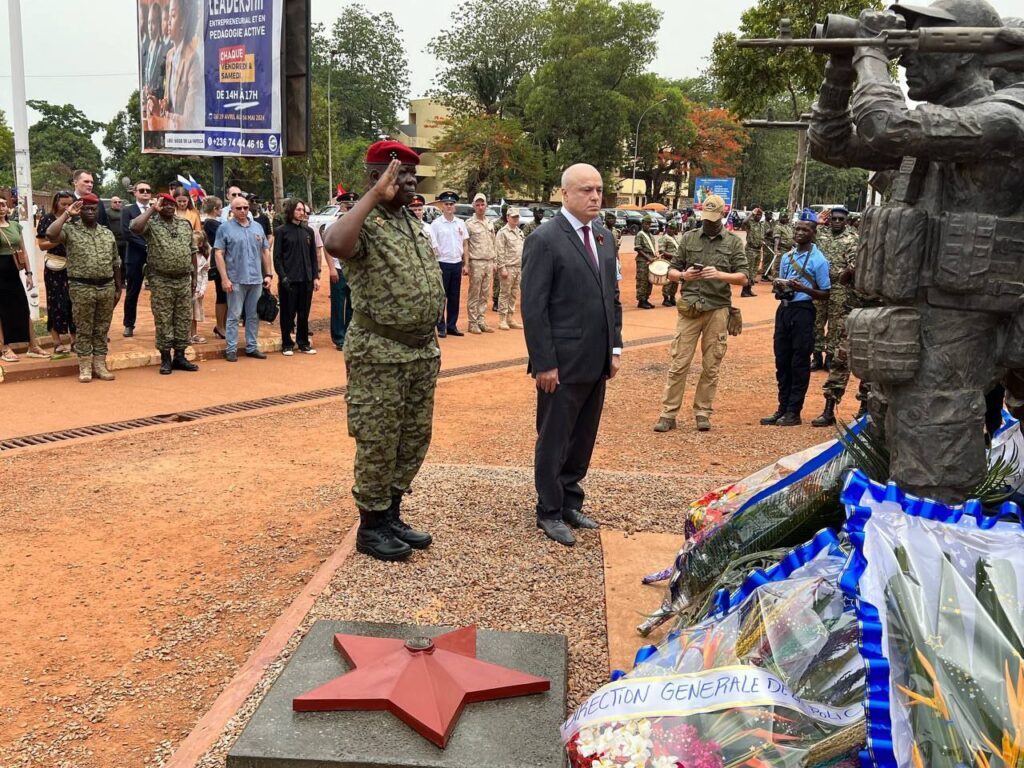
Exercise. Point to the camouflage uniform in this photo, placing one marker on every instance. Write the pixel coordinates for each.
(510, 256)
(841, 252)
(495, 281)
(396, 287)
(839, 373)
(530, 226)
(481, 270)
(668, 245)
(646, 251)
(170, 253)
(91, 254)
(756, 232)
(785, 234)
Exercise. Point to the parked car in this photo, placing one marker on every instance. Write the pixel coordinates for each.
(323, 217)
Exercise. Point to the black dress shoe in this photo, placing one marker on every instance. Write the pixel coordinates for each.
(231, 357)
(455, 332)
(129, 331)
(441, 333)
(556, 530)
(645, 304)
(772, 420)
(257, 354)
(576, 519)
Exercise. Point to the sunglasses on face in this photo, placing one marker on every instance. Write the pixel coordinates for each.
(143, 191)
(241, 207)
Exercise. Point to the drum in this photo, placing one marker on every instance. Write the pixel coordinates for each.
(658, 271)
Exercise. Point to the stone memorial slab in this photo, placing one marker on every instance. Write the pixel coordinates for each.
(506, 733)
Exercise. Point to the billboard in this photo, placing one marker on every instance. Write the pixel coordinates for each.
(210, 77)
(705, 186)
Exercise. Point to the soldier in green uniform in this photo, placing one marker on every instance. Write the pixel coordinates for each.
(646, 251)
(839, 244)
(668, 244)
(538, 219)
(94, 277)
(170, 271)
(609, 222)
(391, 348)
(756, 228)
(783, 243)
(840, 248)
(499, 223)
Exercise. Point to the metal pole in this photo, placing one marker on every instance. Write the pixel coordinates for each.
(22, 162)
(636, 144)
(330, 135)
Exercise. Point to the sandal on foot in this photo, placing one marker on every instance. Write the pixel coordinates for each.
(8, 356)
(37, 354)
(197, 339)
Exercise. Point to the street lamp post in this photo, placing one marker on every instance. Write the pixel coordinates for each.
(330, 133)
(636, 143)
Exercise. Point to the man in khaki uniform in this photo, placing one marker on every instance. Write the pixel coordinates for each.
(481, 265)
(509, 241)
(710, 260)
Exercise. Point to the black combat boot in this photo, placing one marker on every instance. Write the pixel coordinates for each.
(402, 531)
(181, 363)
(817, 363)
(828, 361)
(771, 421)
(376, 539)
(165, 362)
(828, 416)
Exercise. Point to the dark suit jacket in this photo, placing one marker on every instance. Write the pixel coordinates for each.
(571, 313)
(135, 248)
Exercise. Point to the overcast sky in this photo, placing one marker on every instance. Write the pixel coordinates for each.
(86, 54)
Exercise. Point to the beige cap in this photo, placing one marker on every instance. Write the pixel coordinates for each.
(479, 196)
(713, 208)
(512, 212)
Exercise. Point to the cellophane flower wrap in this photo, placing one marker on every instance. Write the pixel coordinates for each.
(781, 505)
(938, 593)
(772, 679)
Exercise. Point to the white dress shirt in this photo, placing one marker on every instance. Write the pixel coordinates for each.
(448, 237)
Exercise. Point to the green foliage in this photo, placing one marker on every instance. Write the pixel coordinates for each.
(486, 152)
(6, 152)
(580, 103)
(59, 142)
(485, 54)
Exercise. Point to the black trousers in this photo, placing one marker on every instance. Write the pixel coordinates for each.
(133, 277)
(451, 277)
(296, 299)
(567, 422)
(794, 345)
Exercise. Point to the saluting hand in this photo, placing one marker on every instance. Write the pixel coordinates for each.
(387, 185)
(75, 208)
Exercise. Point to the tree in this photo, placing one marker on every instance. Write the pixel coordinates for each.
(750, 79)
(370, 80)
(717, 146)
(60, 142)
(578, 105)
(6, 152)
(485, 55)
(486, 152)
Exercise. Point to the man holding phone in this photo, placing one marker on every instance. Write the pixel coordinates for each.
(707, 263)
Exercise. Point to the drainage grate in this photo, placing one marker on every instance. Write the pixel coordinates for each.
(47, 438)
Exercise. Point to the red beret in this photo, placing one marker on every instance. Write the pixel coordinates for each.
(89, 199)
(383, 152)
(165, 196)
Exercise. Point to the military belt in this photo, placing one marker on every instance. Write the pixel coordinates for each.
(151, 272)
(91, 280)
(408, 339)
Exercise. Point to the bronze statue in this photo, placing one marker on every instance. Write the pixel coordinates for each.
(945, 254)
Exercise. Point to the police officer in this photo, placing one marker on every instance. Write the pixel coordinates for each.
(646, 251)
(839, 244)
(391, 350)
(170, 269)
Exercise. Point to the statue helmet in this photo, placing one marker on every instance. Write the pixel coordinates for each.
(960, 13)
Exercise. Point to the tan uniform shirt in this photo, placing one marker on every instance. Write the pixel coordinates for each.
(481, 240)
(509, 244)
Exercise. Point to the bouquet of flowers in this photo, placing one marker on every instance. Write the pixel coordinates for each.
(772, 679)
(779, 506)
(938, 593)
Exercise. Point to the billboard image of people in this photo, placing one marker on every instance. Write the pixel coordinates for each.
(705, 186)
(210, 76)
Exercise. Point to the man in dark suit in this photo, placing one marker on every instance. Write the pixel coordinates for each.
(134, 254)
(573, 326)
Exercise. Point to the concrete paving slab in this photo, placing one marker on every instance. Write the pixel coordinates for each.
(508, 733)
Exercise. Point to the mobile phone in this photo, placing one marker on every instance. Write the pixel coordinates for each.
(697, 266)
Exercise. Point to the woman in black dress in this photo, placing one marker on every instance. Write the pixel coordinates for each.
(55, 276)
(15, 322)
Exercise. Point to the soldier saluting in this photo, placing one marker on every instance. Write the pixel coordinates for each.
(391, 348)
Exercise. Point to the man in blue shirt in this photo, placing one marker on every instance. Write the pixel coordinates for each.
(243, 262)
(803, 278)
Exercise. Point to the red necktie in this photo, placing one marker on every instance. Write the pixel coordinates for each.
(590, 251)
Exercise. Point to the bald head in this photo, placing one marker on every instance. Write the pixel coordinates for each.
(582, 191)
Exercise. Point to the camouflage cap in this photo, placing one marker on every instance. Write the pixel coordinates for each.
(713, 208)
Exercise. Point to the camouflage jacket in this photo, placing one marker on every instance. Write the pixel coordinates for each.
(785, 234)
(396, 281)
(645, 245)
(169, 246)
(841, 251)
(92, 251)
(756, 231)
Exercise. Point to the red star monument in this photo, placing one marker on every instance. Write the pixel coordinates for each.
(424, 682)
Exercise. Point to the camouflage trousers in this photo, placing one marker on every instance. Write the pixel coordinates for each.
(669, 290)
(753, 260)
(831, 313)
(171, 300)
(509, 295)
(481, 272)
(92, 307)
(643, 278)
(390, 415)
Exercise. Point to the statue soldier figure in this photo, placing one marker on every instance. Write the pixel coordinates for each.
(946, 253)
